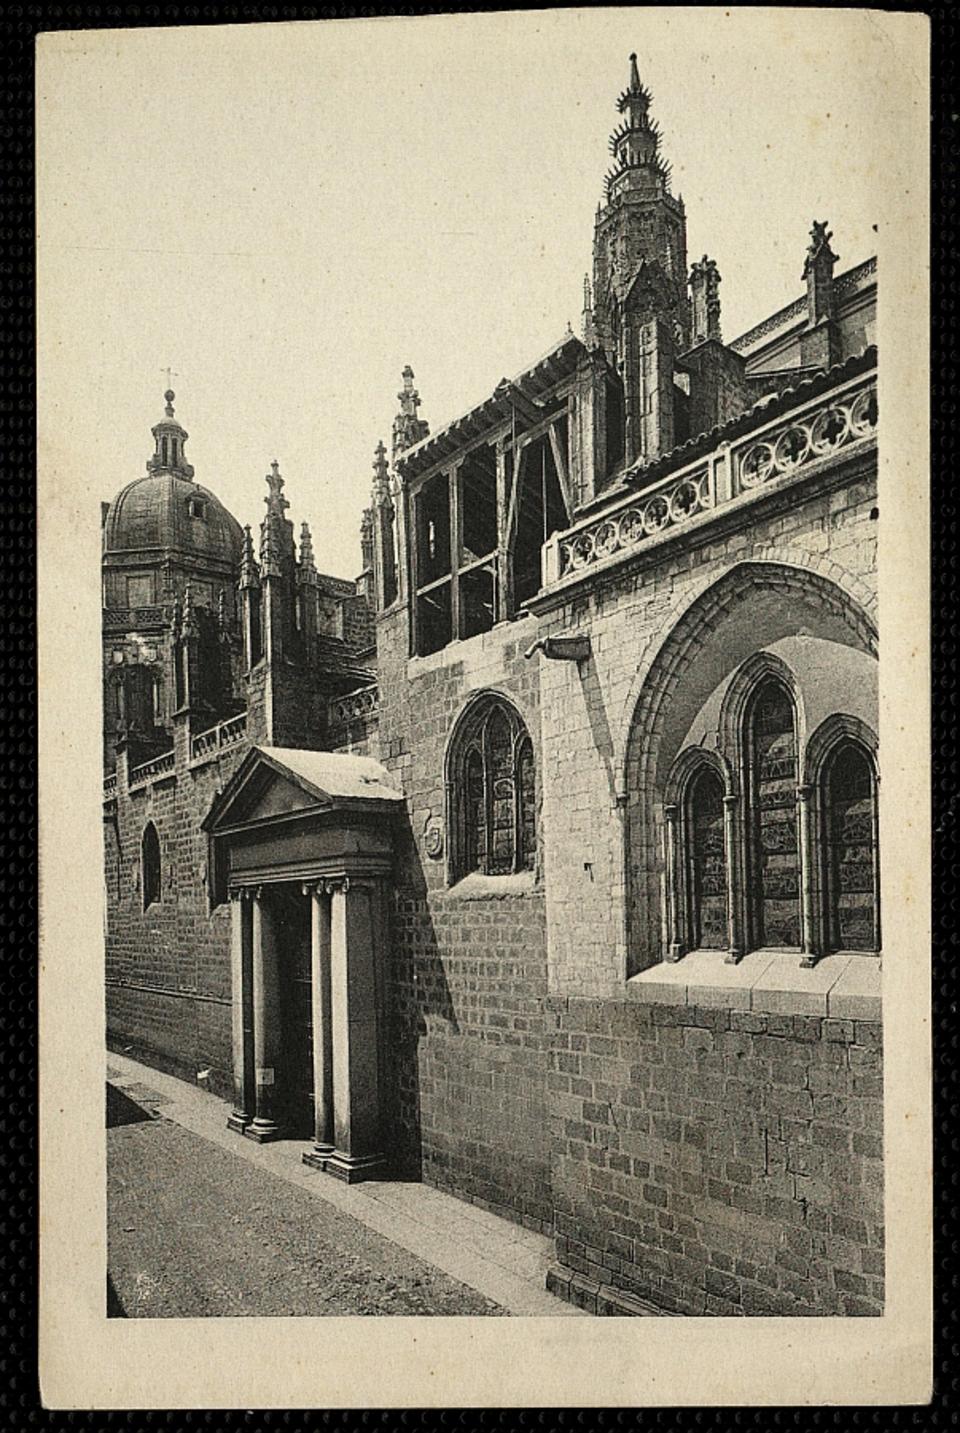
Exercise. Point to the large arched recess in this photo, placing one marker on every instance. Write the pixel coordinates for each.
(751, 606)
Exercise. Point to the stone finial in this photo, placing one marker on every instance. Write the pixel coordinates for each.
(381, 476)
(276, 502)
(705, 299)
(168, 399)
(366, 539)
(818, 273)
(407, 427)
(634, 73)
(307, 563)
(249, 570)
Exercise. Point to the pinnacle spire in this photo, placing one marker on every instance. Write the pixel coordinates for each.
(307, 562)
(249, 570)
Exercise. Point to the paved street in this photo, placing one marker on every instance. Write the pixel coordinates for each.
(195, 1231)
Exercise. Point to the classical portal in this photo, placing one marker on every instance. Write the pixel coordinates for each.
(302, 845)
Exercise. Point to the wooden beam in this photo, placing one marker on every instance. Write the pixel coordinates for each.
(561, 466)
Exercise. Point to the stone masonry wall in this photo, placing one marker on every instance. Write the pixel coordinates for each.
(716, 1162)
(468, 970)
(168, 968)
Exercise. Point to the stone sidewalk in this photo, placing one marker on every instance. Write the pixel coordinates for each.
(501, 1260)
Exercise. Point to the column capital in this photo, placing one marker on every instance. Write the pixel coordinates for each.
(804, 792)
(731, 802)
(671, 812)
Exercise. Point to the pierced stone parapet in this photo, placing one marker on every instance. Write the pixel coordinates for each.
(811, 434)
(227, 733)
(153, 770)
(355, 706)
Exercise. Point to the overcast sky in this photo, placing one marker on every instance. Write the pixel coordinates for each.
(286, 215)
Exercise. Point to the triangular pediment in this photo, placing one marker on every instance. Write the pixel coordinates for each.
(276, 782)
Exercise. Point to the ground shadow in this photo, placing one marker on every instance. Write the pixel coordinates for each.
(115, 1309)
(122, 1110)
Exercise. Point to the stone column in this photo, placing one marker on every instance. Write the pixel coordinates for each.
(674, 926)
(809, 945)
(322, 1028)
(266, 1023)
(734, 933)
(240, 974)
(356, 932)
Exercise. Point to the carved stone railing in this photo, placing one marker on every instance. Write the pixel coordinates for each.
(110, 786)
(152, 770)
(806, 436)
(810, 433)
(217, 738)
(633, 520)
(125, 619)
(355, 706)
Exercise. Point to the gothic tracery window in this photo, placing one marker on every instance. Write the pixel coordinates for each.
(706, 858)
(849, 807)
(772, 837)
(494, 794)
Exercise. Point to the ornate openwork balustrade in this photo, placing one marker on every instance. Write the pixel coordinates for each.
(809, 434)
(150, 770)
(355, 706)
(125, 619)
(217, 738)
(110, 786)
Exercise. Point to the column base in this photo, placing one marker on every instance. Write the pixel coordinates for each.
(733, 957)
(238, 1121)
(263, 1131)
(674, 952)
(317, 1157)
(807, 962)
(352, 1168)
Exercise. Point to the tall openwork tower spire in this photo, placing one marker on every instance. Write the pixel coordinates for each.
(640, 312)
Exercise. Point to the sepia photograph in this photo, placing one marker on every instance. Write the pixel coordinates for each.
(470, 429)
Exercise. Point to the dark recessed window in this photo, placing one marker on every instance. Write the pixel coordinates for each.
(196, 507)
(150, 865)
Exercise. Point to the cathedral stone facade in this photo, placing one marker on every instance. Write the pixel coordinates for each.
(542, 861)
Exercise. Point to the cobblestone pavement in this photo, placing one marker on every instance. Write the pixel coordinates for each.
(195, 1231)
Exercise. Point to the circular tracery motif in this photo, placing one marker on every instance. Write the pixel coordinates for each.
(631, 527)
(684, 500)
(656, 514)
(863, 415)
(757, 465)
(793, 445)
(581, 550)
(830, 429)
(605, 539)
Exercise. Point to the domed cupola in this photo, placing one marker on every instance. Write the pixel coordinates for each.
(164, 528)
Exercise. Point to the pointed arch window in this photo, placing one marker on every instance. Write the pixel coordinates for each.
(773, 851)
(706, 862)
(150, 876)
(848, 800)
(493, 794)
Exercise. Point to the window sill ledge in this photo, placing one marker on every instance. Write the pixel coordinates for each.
(476, 887)
(841, 987)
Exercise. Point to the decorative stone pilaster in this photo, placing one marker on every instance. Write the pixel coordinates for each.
(266, 1023)
(322, 1025)
(356, 939)
(734, 932)
(674, 914)
(809, 944)
(241, 942)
